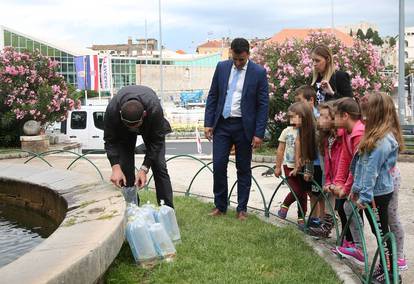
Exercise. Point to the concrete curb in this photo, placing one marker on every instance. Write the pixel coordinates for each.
(343, 271)
(14, 155)
(87, 241)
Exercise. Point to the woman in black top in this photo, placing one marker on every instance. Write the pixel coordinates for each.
(329, 84)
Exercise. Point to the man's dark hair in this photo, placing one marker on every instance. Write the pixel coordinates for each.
(132, 110)
(240, 45)
(307, 92)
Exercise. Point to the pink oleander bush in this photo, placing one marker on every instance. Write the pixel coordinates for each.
(32, 88)
(289, 65)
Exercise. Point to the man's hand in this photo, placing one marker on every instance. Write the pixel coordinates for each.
(257, 142)
(141, 179)
(208, 132)
(278, 171)
(117, 177)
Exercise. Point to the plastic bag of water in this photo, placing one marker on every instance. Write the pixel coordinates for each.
(130, 194)
(162, 242)
(141, 243)
(132, 211)
(166, 216)
(150, 208)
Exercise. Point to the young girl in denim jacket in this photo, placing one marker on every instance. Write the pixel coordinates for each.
(372, 167)
(394, 219)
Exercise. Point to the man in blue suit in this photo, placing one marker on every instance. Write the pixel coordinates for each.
(236, 114)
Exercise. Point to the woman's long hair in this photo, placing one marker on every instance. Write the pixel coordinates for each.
(325, 134)
(306, 130)
(326, 53)
(381, 119)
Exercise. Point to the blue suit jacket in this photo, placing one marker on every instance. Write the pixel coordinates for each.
(254, 100)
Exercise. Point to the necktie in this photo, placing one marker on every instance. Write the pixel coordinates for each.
(230, 91)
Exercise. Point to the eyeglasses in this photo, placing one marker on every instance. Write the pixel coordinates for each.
(132, 122)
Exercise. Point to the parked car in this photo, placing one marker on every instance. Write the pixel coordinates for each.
(86, 125)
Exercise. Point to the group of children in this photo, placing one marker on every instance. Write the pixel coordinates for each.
(348, 150)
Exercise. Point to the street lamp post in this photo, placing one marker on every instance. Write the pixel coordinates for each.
(401, 62)
(332, 16)
(161, 63)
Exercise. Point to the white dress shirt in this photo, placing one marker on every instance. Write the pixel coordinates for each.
(236, 98)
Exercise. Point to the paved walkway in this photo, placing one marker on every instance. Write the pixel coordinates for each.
(183, 169)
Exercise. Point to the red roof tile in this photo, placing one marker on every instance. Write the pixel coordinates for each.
(301, 34)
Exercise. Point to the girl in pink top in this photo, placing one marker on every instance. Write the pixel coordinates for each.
(330, 143)
(348, 116)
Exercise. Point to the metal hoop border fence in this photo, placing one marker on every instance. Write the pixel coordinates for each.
(381, 240)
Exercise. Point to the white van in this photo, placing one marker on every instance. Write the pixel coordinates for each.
(86, 125)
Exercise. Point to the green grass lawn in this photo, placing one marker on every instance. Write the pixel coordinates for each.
(265, 151)
(225, 250)
(8, 150)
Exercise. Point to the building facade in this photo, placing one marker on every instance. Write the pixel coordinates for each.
(125, 70)
(363, 26)
(130, 49)
(221, 46)
(409, 44)
(23, 42)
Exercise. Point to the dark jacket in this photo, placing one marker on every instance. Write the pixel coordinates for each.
(254, 100)
(153, 130)
(341, 85)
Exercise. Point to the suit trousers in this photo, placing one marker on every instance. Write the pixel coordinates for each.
(230, 132)
(162, 180)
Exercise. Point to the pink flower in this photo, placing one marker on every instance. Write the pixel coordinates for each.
(377, 86)
(280, 117)
(283, 81)
(307, 71)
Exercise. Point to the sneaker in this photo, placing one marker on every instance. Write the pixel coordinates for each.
(314, 222)
(334, 250)
(282, 213)
(322, 231)
(301, 224)
(347, 244)
(378, 271)
(402, 264)
(354, 254)
(328, 221)
(380, 279)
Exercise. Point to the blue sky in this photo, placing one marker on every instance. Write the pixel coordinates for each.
(188, 23)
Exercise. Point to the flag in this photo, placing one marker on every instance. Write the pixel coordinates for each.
(92, 75)
(106, 73)
(80, 72)
(87, 72)
(198, 141)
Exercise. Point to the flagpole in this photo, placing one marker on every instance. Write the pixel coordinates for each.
(84, 78)
(401, 65)
(111, 86)
(161, 67)
(99, 80)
